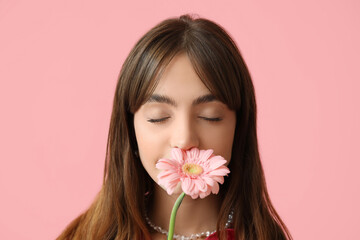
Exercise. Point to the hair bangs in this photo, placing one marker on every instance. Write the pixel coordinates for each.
(215, 60)
(152, 54)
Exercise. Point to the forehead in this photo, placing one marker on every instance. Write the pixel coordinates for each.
(179, 77)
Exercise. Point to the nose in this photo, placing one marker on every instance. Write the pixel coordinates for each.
(184, 135)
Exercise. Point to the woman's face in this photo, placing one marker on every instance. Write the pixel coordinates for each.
(182, 113)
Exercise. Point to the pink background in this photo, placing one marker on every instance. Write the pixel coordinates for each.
(59, 61)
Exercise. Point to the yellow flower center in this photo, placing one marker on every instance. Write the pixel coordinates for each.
(192, 169)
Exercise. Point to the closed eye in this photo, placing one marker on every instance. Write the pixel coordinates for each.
(160, 120)
(211, 119)
(157, 120)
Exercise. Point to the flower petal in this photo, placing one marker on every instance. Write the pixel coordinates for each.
(170, 190)
(167, 164)
(169, 176)
(200, 184)
(219, 179)
(209, 181)
(188, 186)
(205, 194)
(216, 162)
(177, 154)
(171, 187)
(192, 154)
(205, 155)
(194, 196)
(219, 172)
(215, 188)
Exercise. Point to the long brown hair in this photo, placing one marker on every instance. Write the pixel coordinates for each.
(118, 211)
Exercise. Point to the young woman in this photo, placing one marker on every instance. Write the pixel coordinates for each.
(184, 85)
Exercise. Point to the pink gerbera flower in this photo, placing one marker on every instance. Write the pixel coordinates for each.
(199, 172)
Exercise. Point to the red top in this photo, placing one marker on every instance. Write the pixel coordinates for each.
(230, 233)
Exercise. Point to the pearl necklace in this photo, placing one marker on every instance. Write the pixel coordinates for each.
(192, 236)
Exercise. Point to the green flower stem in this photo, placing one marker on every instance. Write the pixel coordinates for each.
(173, 216)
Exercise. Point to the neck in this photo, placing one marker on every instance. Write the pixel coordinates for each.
(193, 216)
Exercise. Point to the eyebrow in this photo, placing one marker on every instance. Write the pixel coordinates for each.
(168, 100)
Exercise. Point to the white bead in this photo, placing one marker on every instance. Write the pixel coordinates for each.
(192, 236)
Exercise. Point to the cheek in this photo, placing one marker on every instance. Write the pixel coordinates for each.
(143, 137)
(221, 140)
(223, 145)
(149, 143)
